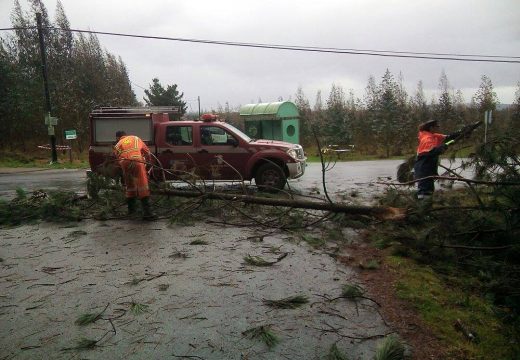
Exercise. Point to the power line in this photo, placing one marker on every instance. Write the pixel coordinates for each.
(382, 53)
(139, 86)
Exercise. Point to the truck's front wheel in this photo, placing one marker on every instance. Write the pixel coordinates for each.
(270, 177)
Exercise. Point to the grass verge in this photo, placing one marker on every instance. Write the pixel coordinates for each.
(442, 306)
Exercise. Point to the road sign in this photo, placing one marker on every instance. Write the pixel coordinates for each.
(51, 120)
(488, 116)
(70, 135)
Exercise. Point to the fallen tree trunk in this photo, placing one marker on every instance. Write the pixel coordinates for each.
(380, 212)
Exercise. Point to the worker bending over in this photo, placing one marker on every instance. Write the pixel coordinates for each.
(133, 154)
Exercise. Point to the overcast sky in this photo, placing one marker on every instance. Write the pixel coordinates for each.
(220, 74)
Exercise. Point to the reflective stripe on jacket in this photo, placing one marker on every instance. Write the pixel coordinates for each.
(130, 151)
(429, 141)
(131, 147)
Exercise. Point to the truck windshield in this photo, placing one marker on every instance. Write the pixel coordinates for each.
(238, 132)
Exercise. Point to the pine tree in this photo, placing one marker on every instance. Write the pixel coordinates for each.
(157, 95)
(387, 127)
(485, 98)
(337, 126)
(515, 109)
(365, 128)
(305, 112)
(318, 116)
(444, 110)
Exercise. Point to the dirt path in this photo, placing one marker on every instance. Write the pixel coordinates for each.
(197, 299)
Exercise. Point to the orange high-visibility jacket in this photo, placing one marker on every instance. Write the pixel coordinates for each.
(131, 147)
(428, 141)
(131, 152)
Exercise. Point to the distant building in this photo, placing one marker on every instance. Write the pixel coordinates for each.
(274, 121)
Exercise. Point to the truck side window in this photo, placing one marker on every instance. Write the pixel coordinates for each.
(213, 135)
(179, 135)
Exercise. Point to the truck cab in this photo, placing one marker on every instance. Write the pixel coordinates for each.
(209, 149)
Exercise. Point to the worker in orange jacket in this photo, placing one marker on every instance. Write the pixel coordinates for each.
(133, 154)
(431, 146)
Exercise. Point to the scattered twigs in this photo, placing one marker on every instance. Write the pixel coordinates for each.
(263, 333)
(259, 261)
(323, 170)
(452, 178)
(89, 344)
(476, 248)
(468, 334)
(86, 319)
(337, 330)
(470, 186)
(351, 292)
(291, 302)
(375, 211)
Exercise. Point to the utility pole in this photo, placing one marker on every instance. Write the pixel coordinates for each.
(49, 120)
(488, 118)
(198, 99)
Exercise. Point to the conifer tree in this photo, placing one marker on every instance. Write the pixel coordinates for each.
(444, 110)
(387, 127)
(157, 95)
(304, 109)
(485, 98)
(338, 126)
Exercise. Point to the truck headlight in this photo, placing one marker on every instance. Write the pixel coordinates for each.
(292, 153)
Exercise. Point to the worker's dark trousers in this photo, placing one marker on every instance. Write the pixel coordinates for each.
(426, 165)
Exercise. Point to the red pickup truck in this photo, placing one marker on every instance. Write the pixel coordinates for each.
(208, 149)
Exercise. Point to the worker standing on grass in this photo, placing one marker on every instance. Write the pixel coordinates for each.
(431, 145)
(132, 154)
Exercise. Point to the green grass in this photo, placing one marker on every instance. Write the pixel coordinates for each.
(390, 349)
(441, 305)
(17, 160)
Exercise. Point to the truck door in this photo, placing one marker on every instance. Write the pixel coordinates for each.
(175, 152)
(219, 154)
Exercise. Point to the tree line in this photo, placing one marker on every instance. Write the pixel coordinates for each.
(385, 121)
(83, 75)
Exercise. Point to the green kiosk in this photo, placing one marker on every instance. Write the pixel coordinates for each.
(273, 121)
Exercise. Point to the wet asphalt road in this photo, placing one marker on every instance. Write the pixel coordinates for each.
(343, 178)
(198, 300)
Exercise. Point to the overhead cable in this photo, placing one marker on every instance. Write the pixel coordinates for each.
(382, 53)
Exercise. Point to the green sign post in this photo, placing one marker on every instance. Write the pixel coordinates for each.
(70, 135)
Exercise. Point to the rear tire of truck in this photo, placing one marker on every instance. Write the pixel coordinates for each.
(270, 177)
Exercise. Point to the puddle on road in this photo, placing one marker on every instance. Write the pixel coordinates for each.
(199, 298)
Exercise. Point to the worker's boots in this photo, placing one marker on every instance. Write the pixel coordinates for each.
(132, 205)
(147, 211)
